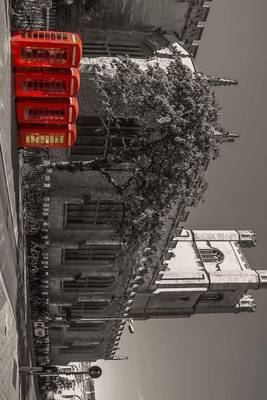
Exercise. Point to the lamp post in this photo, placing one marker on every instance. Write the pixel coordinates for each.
(120, 358)
(93, 372)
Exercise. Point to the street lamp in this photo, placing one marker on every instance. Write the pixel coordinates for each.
(119, 358)
(131, 325)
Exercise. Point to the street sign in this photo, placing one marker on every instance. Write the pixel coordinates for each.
(95, 371)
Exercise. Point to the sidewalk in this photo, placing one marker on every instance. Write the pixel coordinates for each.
(9, 382)
(15, 325)
(7, 139)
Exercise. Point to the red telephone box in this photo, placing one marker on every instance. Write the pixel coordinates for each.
(47, 49)
(47, 135)
(47, 111)
(47, 82)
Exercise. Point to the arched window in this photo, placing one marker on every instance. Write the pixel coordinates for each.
(85, 254)
(96, 213)
(81, 348)
(87, 326)
(211, 255)
(82, 284)
(211, 297)
(87, 307)
(112, 48)
(92, 141)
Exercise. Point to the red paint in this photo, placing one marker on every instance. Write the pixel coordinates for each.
(43, 82)
(46, 49)
(47, 110)
(52, 136)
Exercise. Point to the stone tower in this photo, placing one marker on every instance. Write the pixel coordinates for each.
(205, 272)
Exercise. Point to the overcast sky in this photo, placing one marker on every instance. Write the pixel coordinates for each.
(218, 356)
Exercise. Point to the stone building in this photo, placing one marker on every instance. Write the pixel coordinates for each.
(203, 272)
(90, 296)
(80, 388)
(87, 290)
(186, 18)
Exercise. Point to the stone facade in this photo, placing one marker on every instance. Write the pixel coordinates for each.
(86, 287)
(83, 278)
(184, 17)
(204, 272)
(90, 296)
(84, 281)
(82, 389)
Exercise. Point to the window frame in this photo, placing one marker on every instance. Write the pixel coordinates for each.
(98, 218)
(113, 48)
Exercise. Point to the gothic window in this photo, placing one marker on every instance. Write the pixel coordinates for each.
(87, 307)
(93, 142)
(95, 213)
(112, 48)
(87, 326)
(80, 348)
(211, 297)
(85, 254)
(211, 255)
(82, 284)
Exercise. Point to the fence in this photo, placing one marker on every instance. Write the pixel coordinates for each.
(35, 184)
(33, 14)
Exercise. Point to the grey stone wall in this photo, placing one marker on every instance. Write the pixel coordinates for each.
(78, 188)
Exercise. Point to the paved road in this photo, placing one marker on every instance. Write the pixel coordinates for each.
(9, 379)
